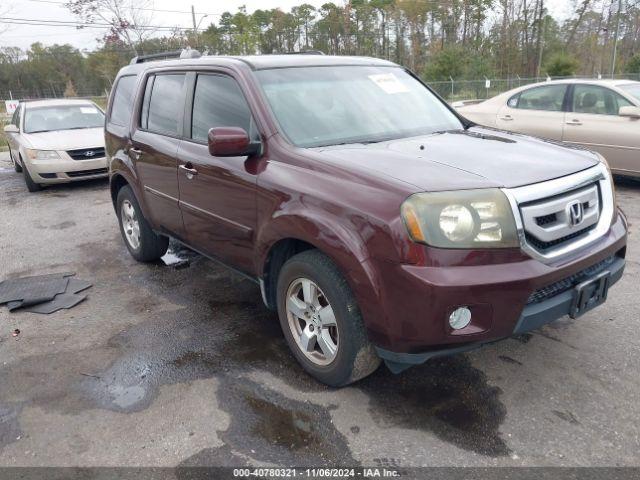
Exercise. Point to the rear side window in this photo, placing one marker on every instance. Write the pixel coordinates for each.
(163, 104)
(123, 101)
(549, 98)
(218, 102)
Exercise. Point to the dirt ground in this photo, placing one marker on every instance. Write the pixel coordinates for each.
(165, 367)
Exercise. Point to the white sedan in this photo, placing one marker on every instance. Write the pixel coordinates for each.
(57, 141)
(601, 115)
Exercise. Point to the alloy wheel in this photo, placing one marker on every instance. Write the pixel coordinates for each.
(312, 321)
(130, 224)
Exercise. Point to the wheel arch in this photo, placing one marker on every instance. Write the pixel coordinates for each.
(287, 235)
(116, 183)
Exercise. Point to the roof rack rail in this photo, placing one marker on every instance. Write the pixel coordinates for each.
(182, 54)
(305, 52)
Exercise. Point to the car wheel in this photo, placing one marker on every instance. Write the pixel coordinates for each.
(143, 243)
(16, 165)
(321, 320)
(31, 185)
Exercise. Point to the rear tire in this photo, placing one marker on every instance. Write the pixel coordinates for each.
(143, 243)
(326, 333)
(31, 185)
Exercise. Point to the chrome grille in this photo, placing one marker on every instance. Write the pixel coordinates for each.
(550, 222)
(546, 226)
(87, 153)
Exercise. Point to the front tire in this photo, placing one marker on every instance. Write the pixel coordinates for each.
(321, 320)
(31, 185)
(143, 243)
(16, 165)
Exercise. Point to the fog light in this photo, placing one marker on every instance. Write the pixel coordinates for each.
(460, 318)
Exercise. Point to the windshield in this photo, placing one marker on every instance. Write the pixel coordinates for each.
(62, 117)
(317, 106)
(632, 89)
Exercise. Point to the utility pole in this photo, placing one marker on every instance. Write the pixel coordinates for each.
(615, 40)
(542, 33)
(193, 17)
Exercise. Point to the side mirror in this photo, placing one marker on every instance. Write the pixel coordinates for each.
(231, 142)
(633, 112)
(11, 129)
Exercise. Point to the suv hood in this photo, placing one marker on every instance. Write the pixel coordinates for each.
(66, 139)
(465, 159)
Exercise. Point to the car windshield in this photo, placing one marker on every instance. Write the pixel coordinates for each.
(632, 89)
(319, 106)
(62, 117)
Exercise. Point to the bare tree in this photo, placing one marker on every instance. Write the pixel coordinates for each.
(4, 10)
(129, 20)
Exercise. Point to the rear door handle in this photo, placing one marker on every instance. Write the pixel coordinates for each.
(189, 171)
(574, 122)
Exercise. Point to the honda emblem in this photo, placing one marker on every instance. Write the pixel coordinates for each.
(576, 213)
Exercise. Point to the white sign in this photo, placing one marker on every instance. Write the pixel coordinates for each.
(389, 83)
(11, 106)
(487, 83)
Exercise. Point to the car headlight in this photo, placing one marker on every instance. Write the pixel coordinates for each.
(613, 187)
(461, 219)
(43, 154)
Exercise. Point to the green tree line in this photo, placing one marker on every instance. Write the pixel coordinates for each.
(438, 39)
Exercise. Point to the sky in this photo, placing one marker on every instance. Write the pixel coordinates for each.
(23, 36)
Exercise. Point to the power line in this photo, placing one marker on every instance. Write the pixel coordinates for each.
(63, 4)
(77, 24)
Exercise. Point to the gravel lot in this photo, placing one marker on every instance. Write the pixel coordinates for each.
(165, 367)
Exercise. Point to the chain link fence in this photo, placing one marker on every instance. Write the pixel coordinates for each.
(451, 90)
(458, 90)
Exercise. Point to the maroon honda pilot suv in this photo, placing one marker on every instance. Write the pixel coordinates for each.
(379, 223)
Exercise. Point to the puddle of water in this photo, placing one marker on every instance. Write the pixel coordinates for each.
(447, 396)
(127, 397)
(285, 428)
(268, 426)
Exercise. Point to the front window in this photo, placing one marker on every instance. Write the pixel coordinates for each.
(318, 106)
(62, 117)
(597, 100)
(632, 89)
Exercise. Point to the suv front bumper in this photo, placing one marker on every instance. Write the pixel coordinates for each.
(505, 299)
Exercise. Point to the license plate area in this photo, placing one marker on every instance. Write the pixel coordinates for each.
(589, 294)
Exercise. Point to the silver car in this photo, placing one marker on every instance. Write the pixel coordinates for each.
(601, 115)
(57, 141)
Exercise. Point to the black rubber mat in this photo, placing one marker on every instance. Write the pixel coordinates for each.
(33, 290)
(63, 300)
(66, 299)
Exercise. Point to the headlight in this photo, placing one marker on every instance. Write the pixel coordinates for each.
(613, 187)
(43, 154)
(461, 219)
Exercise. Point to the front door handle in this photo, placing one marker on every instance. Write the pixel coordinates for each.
(574, 122)
(188, 170)
(507, 118)
(135, 152)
